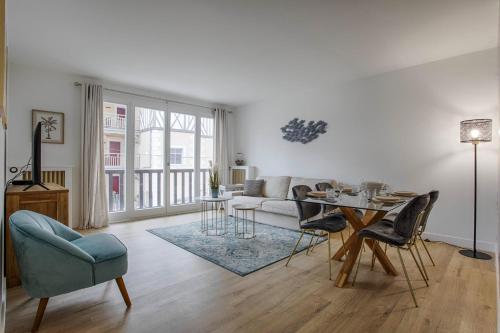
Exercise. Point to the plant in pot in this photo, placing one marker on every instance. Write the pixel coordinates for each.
(213, 178)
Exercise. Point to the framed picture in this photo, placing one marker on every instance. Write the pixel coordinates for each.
(52, 125)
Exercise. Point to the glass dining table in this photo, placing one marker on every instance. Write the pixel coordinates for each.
(373, 212)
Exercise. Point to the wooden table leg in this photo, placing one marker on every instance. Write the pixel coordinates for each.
(349, 263)
(343, 249)
(382, 257)
(353, 245)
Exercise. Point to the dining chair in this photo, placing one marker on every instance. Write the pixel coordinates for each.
(308, 210)
(433, 196)
(401, 234)
(330, 209)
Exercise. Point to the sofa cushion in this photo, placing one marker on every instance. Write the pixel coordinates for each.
(253, 188)
(283, 207)
(275, 186)
(311, 182)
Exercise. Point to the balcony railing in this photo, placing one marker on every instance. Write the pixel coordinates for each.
(114, 160)
(149, 185)
(114, 121)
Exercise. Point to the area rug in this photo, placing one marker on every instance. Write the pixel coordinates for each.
(240, 256)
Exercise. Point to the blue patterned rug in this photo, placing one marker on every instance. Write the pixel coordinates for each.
(240, 256)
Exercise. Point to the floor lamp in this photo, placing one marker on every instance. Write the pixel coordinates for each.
(475, 131)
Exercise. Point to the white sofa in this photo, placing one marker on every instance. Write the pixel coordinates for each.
(273, 201)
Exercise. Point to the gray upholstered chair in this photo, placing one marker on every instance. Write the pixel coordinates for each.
(53, 259)
(325, 209)
(307, 210)
(433, 196)
(330, 209)
(401, 234)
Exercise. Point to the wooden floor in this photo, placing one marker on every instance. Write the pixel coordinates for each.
(173, 290)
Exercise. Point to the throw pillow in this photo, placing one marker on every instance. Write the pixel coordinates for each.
(253, 188)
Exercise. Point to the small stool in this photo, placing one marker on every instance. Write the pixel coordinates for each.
(214, 219)
(241, 221)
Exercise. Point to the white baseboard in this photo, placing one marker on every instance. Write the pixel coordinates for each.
(461, 242)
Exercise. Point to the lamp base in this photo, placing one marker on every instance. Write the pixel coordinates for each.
(479, 255)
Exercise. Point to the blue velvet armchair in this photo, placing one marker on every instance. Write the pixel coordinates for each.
(53, 259)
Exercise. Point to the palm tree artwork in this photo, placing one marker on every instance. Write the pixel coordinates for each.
(49, 125)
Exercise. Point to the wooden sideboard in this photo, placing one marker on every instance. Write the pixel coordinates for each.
(52, 202)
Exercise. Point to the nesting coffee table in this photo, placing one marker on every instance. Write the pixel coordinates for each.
(240, 213)
(214, 220)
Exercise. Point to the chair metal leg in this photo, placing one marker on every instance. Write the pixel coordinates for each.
(123, 291)
(39, 314)
(329, 257)
(407, 278)
(359, 261)
(343, 242)
(309, 246)
(426, 250)
(418, 266)
(385, 248)
(421, 262)
(295, 248)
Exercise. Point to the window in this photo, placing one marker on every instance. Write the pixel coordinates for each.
(140, 136)
(176, 155)
(115, 134)
(206, 152)
(149, 157)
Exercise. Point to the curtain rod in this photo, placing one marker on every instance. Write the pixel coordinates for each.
(77, 84)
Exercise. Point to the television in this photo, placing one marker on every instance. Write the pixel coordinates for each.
(36, 158)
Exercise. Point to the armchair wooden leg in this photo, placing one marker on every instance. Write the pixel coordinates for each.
(123, 291)
(39, 313)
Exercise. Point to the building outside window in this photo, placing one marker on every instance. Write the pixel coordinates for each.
(176, 155)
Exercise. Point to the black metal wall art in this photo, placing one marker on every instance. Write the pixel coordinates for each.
(297, 131)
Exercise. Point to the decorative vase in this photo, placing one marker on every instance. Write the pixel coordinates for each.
(215, 192)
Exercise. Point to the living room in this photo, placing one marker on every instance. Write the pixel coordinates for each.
(324, 160)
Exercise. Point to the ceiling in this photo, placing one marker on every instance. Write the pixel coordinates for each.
(242, 51)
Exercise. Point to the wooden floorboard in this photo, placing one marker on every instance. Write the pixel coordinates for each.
(173, 290)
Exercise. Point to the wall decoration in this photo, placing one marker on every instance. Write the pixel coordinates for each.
(297, 131)
(52, 125)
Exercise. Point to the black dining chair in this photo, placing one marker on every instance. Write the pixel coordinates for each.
(307, 211)
(433, 196)
(330, 209)
(401, 234)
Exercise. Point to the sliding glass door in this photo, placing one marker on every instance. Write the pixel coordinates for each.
(143, 142)
(115, 142)
(149, 161)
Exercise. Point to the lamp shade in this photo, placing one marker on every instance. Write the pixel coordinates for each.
(475, 130)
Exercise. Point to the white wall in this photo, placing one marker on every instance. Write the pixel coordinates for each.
(30, 88)
(401, 127)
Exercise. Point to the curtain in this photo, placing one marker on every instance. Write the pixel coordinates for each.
(221, 141)
(94, 208)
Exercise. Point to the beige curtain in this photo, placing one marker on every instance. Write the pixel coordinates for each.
(94, 207)
(221, 143)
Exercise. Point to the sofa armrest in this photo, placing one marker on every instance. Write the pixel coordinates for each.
(231, 194)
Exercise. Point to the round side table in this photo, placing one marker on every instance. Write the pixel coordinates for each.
(240, 213)
(213, 218)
